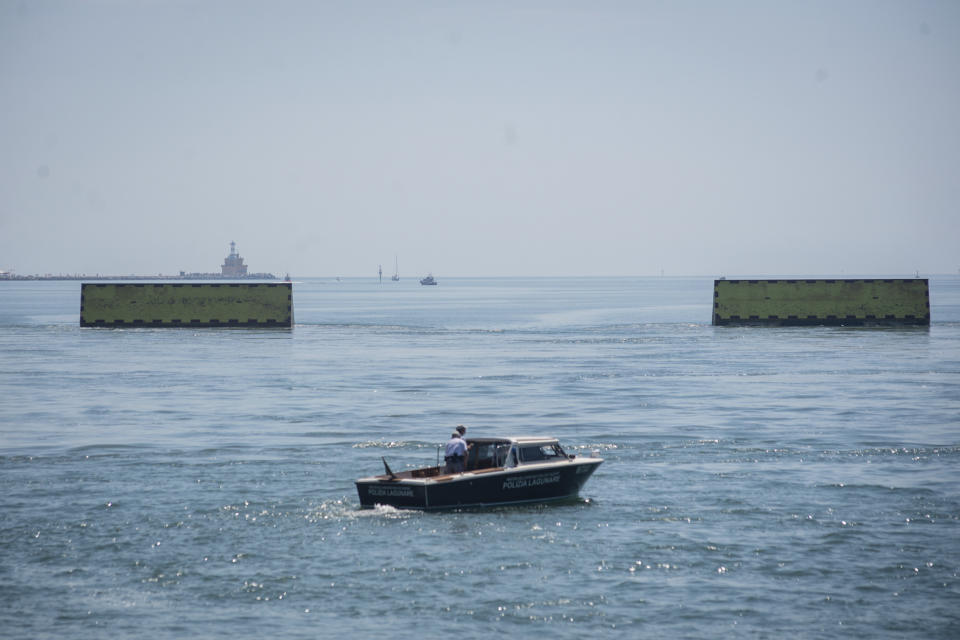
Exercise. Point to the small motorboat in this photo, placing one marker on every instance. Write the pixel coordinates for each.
(499, 471)
(429, 280)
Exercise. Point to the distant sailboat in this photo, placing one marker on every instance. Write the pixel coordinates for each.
(396, 270)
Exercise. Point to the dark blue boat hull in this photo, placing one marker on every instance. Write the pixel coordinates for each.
(541, 483)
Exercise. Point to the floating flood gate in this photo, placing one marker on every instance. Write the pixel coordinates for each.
(187, 305)
(822, 302)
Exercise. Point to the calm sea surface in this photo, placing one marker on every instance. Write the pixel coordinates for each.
(800, 482)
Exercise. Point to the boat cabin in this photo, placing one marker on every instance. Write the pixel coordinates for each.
(496, 453)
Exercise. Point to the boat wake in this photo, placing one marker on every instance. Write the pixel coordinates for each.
(338, 510)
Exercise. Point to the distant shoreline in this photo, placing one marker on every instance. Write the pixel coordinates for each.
(185, 276)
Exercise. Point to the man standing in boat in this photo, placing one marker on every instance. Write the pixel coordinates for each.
(456, 452)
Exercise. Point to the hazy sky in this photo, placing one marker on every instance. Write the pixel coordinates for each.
(481, 138)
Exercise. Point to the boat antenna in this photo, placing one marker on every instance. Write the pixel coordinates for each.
(390, 473)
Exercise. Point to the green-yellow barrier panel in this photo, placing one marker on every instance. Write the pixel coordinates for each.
(821, 302)
(186, 305)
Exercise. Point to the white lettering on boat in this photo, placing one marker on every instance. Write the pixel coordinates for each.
(406, 492)
(531, 481)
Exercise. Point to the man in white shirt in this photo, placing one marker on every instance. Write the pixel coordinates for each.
(455, 454)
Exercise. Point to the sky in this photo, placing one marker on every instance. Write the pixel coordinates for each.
(486, 138)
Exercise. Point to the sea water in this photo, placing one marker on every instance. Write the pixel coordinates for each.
(758, 482)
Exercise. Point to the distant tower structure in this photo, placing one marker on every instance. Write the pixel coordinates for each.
(233, 266)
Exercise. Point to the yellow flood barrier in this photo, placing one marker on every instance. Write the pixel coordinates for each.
(186, 304)
(867, 302)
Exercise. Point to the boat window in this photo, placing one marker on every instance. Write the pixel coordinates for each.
(483, 456)
(541, 453)
(503, 451)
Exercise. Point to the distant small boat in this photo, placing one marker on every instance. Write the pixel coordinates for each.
(428, 280)
(396, 271)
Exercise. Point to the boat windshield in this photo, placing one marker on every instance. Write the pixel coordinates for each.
(541, 453)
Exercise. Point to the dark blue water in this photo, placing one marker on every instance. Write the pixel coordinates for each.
(800, 482)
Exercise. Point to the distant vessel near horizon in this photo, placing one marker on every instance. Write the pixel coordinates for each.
(233, 264)
(231, 269)
(396, 270)
(429, 280)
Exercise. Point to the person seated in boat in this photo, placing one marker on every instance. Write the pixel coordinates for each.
(455, 454)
